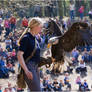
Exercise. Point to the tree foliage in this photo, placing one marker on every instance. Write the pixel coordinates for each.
(62, 6)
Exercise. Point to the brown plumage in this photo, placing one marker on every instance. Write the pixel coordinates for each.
(77, 35)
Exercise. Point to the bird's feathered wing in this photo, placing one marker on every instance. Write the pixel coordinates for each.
(78, 35)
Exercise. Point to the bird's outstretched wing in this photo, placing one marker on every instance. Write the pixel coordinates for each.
(78, 35)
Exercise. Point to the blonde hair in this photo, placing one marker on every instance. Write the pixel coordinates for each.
(31, 24)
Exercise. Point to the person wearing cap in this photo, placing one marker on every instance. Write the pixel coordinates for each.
(27, 44)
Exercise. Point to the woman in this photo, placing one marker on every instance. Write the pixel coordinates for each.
(27, 45)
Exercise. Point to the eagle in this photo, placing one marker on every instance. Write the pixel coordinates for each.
(78, 34)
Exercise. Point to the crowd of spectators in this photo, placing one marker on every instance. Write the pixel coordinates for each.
(8, 54)
(81, 57)
(63, 84)
(78, 65)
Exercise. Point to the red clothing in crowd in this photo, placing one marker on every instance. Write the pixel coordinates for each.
(81, 10)
(6, 23)
(13, 53)
(24, 22)
(9, 65)
(13, 20)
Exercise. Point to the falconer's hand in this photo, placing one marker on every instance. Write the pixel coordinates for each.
(29, 74)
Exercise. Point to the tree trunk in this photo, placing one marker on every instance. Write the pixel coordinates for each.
(60, 8)
(77, 6)
(90, 2)
(64, 3)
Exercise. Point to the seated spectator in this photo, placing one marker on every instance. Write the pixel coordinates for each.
(13, 56)
(66, 78)
(61, 84)
(4, 53)
(47, 79)
(81, 68)
(13, 53)
(82, 64)
(85, 56)
(78, 80)
(82, 87)
(86, 85)
(56, 87)
(75, 54)
(68, 85)
(49, 86)
(67, 81)
(9, 57)
(3, 69)
(45, 83)
(55, 81)
(10, 67)
(8, 44)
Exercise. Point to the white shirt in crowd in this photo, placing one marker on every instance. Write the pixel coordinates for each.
(8, 42)
(72, 7)
(82, 65)
(90, 12)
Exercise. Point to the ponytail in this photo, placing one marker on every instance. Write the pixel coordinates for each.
(26, 30)
(32, 23)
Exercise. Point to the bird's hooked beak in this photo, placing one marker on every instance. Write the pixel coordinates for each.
(52, 41)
